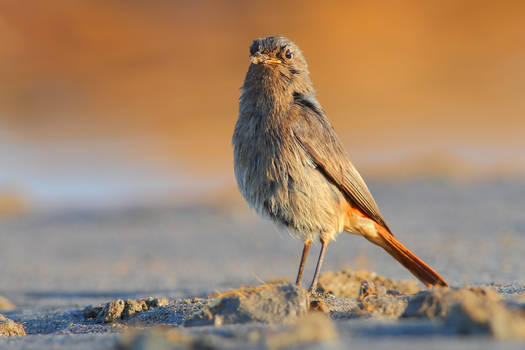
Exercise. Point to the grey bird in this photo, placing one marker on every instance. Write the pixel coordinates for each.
(291, 166)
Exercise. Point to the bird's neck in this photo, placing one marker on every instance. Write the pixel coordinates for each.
(271, 97)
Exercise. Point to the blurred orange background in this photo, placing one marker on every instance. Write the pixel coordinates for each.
(102, 99)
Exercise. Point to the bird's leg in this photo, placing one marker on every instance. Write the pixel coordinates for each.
(324, 244)
(303, 260)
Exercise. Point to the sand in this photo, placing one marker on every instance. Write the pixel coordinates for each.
(57, 264)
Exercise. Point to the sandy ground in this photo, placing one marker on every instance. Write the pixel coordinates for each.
(55, 264)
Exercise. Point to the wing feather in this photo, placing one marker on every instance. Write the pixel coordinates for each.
(314, 133)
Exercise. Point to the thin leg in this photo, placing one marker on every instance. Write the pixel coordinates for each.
(303, 260)
(324, 244)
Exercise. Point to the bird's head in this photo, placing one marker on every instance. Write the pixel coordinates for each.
(278, 59)
(276, 51)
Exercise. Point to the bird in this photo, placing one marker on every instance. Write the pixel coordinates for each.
(291, 167)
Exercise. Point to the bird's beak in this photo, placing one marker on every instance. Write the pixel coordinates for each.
(265, 59)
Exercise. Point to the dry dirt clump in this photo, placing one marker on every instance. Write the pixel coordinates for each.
(122, 310)
(158, 338)
(298, 318)
(268, 304)
(438, 302)
(314, 328)
(377, 301)
(347, 283)
(373, 300)
(486, 316)
(6, 305)
(470, 310)
(9, 328)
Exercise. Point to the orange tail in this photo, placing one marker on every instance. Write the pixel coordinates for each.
(422, 271)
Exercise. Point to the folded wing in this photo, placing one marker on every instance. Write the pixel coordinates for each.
(314, 133)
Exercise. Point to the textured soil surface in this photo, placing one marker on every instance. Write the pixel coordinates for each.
(192, 277)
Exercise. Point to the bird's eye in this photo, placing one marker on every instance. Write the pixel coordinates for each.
(288, 54)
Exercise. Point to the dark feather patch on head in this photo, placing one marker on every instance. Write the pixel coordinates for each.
(254, 47)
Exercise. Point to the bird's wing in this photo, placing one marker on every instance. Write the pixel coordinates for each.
(314, 133)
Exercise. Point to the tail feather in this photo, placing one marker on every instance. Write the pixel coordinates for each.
(422, 271)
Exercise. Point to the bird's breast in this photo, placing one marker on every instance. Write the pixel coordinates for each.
(279, 180)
